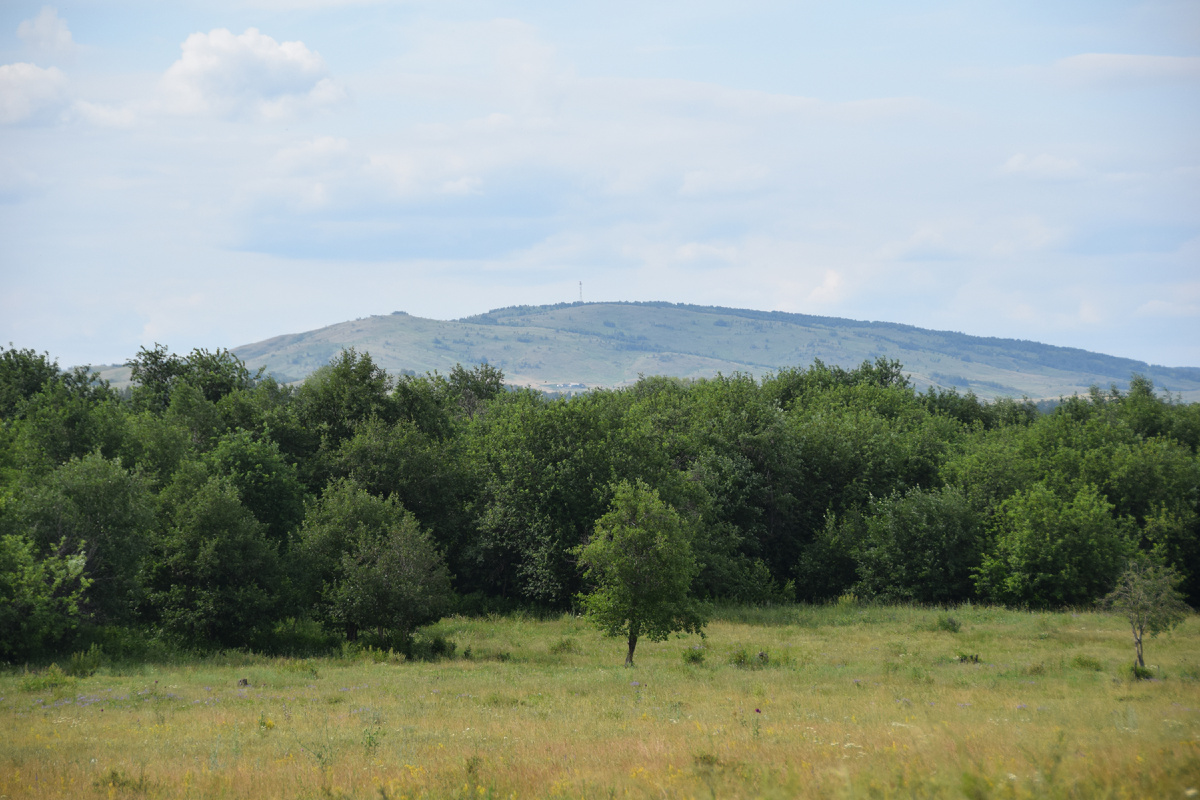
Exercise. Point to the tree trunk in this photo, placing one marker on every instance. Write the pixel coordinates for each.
(1137, 645)
(632, 644)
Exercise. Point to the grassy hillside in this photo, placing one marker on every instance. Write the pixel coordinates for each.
(611, 344)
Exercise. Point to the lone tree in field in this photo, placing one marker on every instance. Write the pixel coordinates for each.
(1147, 596)
(641, 564)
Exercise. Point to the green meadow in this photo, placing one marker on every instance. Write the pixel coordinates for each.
(833, 701)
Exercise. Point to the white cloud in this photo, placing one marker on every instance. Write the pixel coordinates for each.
(104, 116)
(47, 33)
(250, 75)
(1119, 68)
(1043, 166)
(959, 239)
(29, 93)
(830, 291)
(1184, 302)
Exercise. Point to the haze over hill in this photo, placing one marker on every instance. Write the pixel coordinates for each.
(572, 346)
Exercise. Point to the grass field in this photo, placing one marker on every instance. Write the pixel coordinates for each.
(834, 701)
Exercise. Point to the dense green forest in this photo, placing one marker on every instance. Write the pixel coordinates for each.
(210, 507)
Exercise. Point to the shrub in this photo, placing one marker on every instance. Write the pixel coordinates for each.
(920, 547)
(948, 624)
(432, 648)
(694, 655)
(39, 598)
(369, 566)
(1052, 552)
(84, 664)
(115, 779)
(50, 679)
(745, 659)
(1140, 673)
(565, 646)
(214, 576)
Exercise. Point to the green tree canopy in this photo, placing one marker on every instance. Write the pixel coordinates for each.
(362, 561)
(213, 578)
(1051, 553)
(641, 565)
(921, 546)
(39, 596)
(392, 583)
(23, 373)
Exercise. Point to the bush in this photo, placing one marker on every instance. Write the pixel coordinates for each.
(432, 648)
(745, 659)
(39, 597)
(368, 566)
(694, 655)
(214, 575)
(84, 664)
(920, 547)
(947, 623)
(1051, 552)
(1140, 673)
(50, 679)
(565, 646)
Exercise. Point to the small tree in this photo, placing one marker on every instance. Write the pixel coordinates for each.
(393, 583)
(641, 562)
(363, 562)
(1147, 595)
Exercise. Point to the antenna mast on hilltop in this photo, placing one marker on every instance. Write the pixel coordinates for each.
(581, 291)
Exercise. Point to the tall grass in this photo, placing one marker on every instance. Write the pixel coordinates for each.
(849, 701)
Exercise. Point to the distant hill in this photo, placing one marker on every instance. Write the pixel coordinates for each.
(576, 346)
(572, 346)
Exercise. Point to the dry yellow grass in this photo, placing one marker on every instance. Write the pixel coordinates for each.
(852, 702)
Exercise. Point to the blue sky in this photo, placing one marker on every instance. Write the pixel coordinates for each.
(209, 174)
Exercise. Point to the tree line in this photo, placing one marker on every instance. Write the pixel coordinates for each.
(210, 506)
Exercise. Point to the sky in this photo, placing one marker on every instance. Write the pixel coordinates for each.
(202, 173)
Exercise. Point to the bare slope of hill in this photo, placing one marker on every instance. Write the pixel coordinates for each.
(611, 344)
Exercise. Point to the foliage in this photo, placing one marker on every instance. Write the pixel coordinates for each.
(1147, 595)
(475, 387)
(362, 562)
(921, 546)
(641, 564)
(40, 598)
(392, 583)
(213, 578)
(157, 372)
(544, 472)
(351, 389)
(96, 506)
(817, 482)
(23, 373)
(74, 414)
(266, 483)
(428, 476)
(1052, 553)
